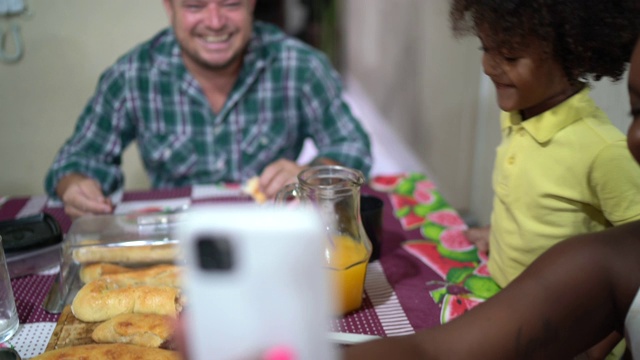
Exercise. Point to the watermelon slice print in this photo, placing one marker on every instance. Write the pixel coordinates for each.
(482, 270)
(455, 240)
(455, 246)
(431, 231)
(400, 201)
(425, 185)
(411, 221)
(448, 218)
(386, 183)
(481, 286)
(424, 192)
(427, 252)
(456, 305)
(405, 187)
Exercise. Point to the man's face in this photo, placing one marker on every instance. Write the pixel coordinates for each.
(212, 33)
(528, 80)
(633, 135)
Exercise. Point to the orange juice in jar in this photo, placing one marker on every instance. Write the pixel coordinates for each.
(347, 265)
(334, 192)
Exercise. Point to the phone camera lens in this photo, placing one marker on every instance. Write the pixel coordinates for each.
(214, 253)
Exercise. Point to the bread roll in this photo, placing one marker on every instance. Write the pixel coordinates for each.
(252, 188)
(108, 351)
(103, 299)
(147, 254)
(159, 275)
(91, 272)
(148, 330)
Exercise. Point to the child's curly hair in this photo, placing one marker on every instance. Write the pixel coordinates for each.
(591, 39)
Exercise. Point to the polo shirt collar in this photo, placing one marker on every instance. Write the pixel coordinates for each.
(544, 126)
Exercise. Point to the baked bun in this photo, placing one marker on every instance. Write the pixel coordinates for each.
(252, 188)
(158, 275)
(147, 254)
(108, 351)
(148, 330)
(105, 298)
(91, 272)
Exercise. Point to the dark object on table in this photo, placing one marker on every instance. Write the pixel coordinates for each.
(9, 354)
(371, 212)
(31, 244)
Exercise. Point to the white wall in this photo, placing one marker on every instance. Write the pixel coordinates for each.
(424, 82)
(68, 43)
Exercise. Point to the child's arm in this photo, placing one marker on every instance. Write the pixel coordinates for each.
(479, 236)
(574, 295)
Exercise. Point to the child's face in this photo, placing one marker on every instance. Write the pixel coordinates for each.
(527, 80)
(633, 135)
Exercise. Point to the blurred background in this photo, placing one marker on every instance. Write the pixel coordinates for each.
(419, 92)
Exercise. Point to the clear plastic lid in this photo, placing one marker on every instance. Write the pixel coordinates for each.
(132, 240)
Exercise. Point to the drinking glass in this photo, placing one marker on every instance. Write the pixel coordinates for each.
(8, 312)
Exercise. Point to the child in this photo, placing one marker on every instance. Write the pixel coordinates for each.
(562, 168)
(575, 293)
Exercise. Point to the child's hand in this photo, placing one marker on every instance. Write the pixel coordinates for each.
(479, 237)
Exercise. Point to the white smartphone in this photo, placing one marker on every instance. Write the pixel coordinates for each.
(254, 283)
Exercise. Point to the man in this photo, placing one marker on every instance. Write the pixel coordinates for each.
(214, 98)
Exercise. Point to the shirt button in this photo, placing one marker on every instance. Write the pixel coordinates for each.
(166, 154)
(523, 133)
(511, 160)
(264, 140)
(217, 130)
(220, 164)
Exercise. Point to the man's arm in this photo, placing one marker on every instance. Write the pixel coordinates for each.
(93, 153)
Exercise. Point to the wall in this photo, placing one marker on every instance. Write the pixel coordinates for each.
(68, 44)
(424, 82)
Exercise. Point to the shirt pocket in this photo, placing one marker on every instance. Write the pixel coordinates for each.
(169, 156)
(269, 137)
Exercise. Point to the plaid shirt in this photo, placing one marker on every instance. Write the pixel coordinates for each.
(286, 92)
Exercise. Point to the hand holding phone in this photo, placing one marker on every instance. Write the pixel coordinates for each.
(255, 283)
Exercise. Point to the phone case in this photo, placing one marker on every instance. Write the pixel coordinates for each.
(264, 288)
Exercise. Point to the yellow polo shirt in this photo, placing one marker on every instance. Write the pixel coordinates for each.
(562, 173)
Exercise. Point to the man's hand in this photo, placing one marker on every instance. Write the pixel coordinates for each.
(277, 175)
(82, 195)
(479, 237)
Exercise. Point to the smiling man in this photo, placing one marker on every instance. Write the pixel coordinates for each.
(217, 97)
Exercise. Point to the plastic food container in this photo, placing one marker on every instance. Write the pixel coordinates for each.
(31, 244)
(126, 240)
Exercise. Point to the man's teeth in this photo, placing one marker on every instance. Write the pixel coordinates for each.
(216, 39)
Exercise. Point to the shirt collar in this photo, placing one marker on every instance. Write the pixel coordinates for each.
(544, 126)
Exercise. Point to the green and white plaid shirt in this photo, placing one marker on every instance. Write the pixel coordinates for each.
(286, 92)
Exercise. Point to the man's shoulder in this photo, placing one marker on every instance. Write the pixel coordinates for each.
(148, 54)
(285, 47)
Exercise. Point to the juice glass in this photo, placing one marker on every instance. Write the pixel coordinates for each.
(334, 191)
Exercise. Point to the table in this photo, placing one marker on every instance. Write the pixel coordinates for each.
(427, 274)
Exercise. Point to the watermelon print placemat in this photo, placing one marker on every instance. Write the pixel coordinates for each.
(458, 271)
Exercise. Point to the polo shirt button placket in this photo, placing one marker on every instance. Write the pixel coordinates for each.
(511, 160)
